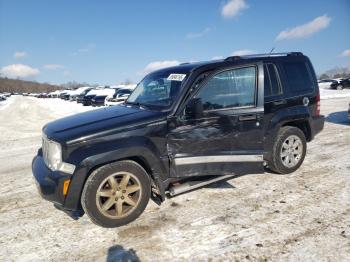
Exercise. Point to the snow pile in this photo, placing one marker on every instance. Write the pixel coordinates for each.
(331, 93)
(5, 103)
(60, 107)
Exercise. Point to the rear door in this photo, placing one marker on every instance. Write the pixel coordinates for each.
(228, 138)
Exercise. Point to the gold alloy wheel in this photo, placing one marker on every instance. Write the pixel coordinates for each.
(118, 195)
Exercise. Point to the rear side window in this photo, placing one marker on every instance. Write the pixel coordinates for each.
(298, 77)
(272, 85)
(232, 88)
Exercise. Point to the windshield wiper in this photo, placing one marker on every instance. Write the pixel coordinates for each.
(138, 104)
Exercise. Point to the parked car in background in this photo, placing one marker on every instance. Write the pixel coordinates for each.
(75, 93)
(63, 93)
(80, 97)
(54, 94)
(43, 95)
(119, 97)
(327, 83)
(6, 94)
(86, 101)
(99, 99)
(2, 97)
(345, 83)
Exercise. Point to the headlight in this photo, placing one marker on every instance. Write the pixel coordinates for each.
(52, 153)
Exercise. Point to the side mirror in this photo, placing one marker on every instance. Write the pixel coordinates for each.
(194, 108)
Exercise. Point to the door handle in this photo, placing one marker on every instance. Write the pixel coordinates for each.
(280, 102)
(247, 117)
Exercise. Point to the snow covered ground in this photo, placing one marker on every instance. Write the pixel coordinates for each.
(6, 103)
(331, 93)
(304, 216)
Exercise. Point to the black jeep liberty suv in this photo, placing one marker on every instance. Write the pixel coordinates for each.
(181, 128)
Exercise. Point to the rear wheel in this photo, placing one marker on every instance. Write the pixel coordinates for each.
(116, 194)
(288, 151)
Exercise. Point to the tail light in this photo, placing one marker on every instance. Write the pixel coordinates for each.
(318, 104)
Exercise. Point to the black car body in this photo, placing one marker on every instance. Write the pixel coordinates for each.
(87, 100)
(80, 97)
(98, 100)
(195, 131)
(63, 95)
(345, 83)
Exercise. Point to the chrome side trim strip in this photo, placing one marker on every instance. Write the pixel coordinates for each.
(217, 159)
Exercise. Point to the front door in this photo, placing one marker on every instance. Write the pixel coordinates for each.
(228, 137)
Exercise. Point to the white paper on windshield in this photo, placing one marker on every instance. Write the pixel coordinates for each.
(176, 77)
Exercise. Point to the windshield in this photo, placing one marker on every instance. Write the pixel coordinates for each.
(158, 90)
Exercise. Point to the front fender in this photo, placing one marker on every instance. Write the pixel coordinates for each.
(156, 164)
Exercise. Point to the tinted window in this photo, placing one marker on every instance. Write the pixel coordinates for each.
(271, 80)
(298, 77)
(233, 88)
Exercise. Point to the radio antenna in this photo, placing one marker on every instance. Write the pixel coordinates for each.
(271, 50)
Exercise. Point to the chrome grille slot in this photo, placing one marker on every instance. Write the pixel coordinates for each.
(45, 148)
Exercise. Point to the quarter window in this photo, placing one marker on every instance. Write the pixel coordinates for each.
(298, 77)
(272, 85)
(232, 88)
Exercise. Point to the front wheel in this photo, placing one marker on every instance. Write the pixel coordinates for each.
(288, 151)
(116, 194)
(340, 87)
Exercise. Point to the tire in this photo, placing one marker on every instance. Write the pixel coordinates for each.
(109, 204)
(340, 87)
(281, 158)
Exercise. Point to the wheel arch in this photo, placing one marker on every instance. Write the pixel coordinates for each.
(154, 165)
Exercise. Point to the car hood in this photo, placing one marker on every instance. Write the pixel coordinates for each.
(89, 123)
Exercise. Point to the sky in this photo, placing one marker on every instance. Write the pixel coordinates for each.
(109, 42)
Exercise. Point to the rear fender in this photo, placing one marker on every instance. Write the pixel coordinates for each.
(281, 118)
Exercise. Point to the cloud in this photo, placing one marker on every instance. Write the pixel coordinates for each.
(19, 71)
(158, 65)
(243, 52)
(20, 54)
(305, 30)
(233, 8)
(53, 67)
(346, 52)
(198, 35)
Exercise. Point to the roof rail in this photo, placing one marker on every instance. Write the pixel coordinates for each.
(235, 58)
(186, 63)
(232, 58)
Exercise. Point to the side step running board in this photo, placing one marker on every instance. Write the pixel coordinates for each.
(187, 186)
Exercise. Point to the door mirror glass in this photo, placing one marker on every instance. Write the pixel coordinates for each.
(194, 109)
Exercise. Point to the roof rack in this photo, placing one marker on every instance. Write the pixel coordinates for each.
(235, 58)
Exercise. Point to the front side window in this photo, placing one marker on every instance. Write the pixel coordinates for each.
(232, 88)
(158, 90)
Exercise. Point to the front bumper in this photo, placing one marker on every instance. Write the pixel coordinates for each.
(50, 186)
